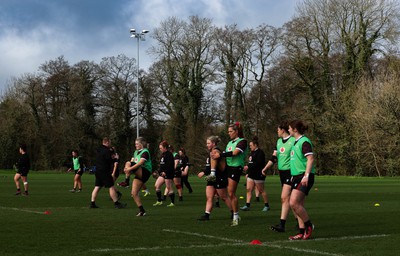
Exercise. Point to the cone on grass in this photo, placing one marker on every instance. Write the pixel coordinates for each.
(255, 242)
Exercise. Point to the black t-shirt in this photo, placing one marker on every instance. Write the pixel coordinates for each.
(183, 162)
(104, 162)
(167, 162)
(256, 162)
(23, 163)
(207, 170)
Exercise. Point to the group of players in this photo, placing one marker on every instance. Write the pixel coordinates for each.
(293, 155)
(295, 160)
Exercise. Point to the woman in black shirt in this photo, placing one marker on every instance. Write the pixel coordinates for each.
(255, 177)
(166, 174)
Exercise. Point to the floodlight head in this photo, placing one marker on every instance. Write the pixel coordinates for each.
(145, 31)
(132, 30)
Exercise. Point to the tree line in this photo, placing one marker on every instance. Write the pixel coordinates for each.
(335, 65)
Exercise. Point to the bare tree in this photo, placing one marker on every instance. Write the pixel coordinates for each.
(185, 58)
(233, 48)
(116, 96)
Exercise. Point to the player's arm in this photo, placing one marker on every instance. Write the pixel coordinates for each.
(307, 151)
(270, 163)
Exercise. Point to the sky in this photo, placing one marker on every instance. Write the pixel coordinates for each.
(33, 32)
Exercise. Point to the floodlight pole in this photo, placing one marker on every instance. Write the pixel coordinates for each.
(138, 36)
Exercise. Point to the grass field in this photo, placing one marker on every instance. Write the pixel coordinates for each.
(347, 222)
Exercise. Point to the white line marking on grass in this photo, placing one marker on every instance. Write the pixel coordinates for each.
(209, 246)
(235, 242)
(165, 247)
(274, 244)
(20, 210)
(333, 238)
(202, 235)
(348, 237)
(302, 250)
(246, 243)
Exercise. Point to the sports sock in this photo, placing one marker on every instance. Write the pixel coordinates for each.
(141, 209)
(267, 205)
(248, 205)
(158, 193)
(127, 180)
(172, 196)
(308, 223)
(283, 222)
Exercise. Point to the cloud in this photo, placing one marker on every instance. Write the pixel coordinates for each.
(25, 51)
(39, 30)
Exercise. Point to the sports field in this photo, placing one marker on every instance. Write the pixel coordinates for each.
(53, 221)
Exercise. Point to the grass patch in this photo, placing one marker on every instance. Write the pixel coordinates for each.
(342, 209)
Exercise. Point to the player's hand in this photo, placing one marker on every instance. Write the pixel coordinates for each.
(304, 181)
(200, 174)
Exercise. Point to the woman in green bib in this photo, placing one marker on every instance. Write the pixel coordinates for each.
(302, 171)
(235, 154)
(77, 165)
(140, 164)
(281, 156)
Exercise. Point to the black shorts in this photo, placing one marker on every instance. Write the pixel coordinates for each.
(285, 177)
(256, 176)
(104, 180)
(79, 172)
(169, 175)
(23, 173)
(296, 183)
(234, 173)
(219, 183)
(145, 175)
(178, 174)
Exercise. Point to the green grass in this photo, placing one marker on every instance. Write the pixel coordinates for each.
(342, 209)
